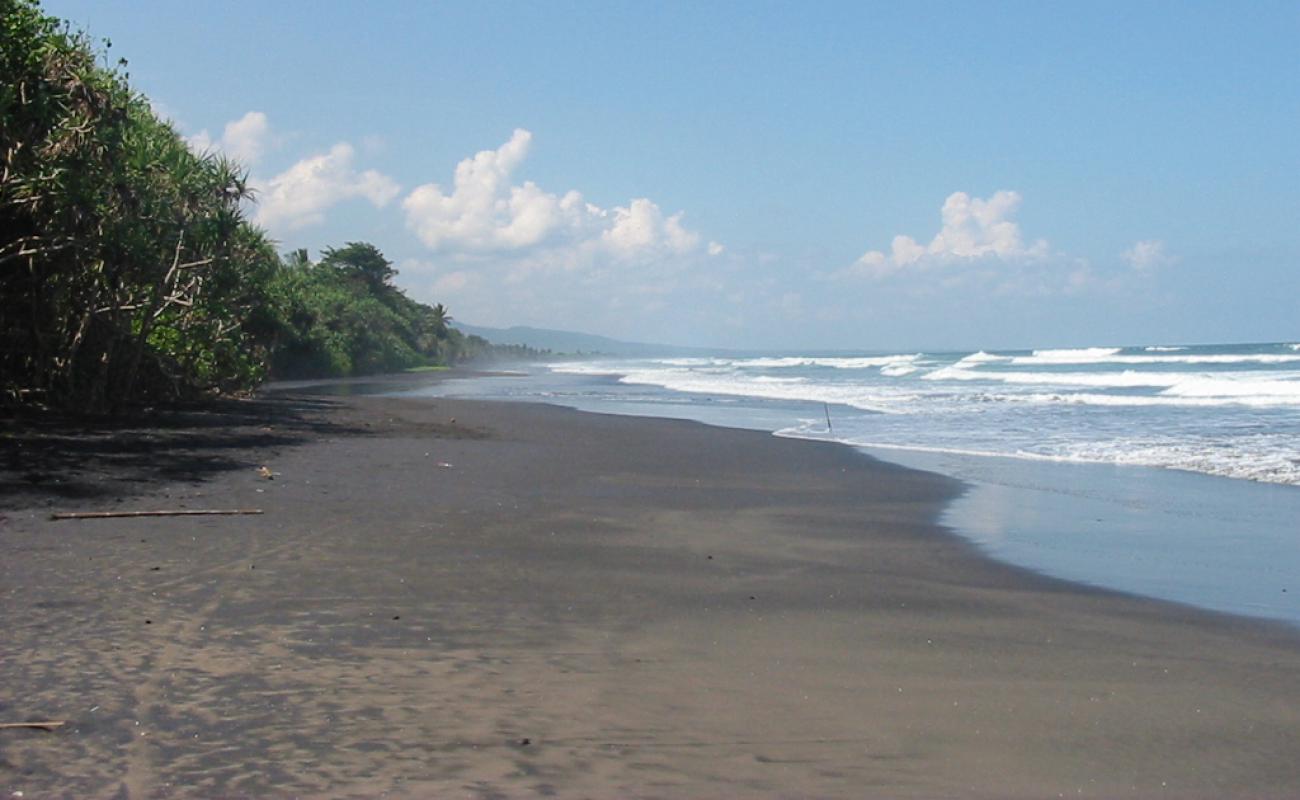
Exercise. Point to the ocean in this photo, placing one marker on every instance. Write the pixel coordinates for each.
(1171, 471)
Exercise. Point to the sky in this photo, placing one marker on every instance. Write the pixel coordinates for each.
(815, 176)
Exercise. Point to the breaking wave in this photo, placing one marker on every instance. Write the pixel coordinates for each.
(1083, 354)
(818, 361)
(1222, 410)
(1116, 358)
(983, 358)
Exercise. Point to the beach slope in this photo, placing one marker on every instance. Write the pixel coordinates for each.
(457, 598)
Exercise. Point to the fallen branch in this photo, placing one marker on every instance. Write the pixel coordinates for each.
(47, 726)
(206, 512)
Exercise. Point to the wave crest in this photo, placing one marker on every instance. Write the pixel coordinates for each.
(983, 358)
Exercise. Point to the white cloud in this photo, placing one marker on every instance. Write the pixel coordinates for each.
(480, 213)
(642, 227)
(508, 250)
(1148, 255)
(973, 229)
(245, 139)
(300, 195)
(485, 212)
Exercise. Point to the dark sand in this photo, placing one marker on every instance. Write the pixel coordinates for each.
(579, 605)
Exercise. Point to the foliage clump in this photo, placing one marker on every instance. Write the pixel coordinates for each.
(128, 271)
(342, 316)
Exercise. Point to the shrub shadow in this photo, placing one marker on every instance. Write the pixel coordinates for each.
(47, 457)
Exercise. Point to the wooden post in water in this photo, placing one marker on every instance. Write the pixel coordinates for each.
(827, 406)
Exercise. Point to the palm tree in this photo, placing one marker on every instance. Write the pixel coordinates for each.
(438, 320)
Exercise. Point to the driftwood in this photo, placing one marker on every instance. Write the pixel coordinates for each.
(205, 512)
(48, 726)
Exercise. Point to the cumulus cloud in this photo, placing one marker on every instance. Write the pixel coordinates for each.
(973, 229)
(484, 211)
(300, 195)
(1148, 255)
(509, 251)
(642, 226)
(245, 139)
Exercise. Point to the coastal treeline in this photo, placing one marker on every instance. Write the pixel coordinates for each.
(128, 270)
(342, 316)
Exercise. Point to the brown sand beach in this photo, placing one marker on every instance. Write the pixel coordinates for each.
(471, 599)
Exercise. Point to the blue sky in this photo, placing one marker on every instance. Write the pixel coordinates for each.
(806, 175)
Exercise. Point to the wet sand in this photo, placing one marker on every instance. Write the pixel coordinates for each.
(469, 599)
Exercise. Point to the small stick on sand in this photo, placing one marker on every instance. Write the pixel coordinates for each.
(49, 726)
(177, 513)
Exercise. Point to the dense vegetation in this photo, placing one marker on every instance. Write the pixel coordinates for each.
(128, 271)
(343, 316)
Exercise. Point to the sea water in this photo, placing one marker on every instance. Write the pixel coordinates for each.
(1166, 470)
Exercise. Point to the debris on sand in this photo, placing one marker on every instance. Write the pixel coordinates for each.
(45, 726)
(185, 512)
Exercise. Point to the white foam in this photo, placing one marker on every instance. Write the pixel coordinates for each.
(1084, 354)
(883, 399)
(983, 358)
(1125, 379)
(1162, 399)
(1237, 387)
(898, 370)
(811, 431)
(777, 379)
(586, 368)
(1207, 358)
(1262, 459)
(1190, 390)
(863, 362)
(1233, 421)
(693, 362)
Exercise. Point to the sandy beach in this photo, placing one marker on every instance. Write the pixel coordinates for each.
(473, 599)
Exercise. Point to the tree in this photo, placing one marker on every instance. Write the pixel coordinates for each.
(362, 261)
(127, 271)
(342, 316)
(439, 319)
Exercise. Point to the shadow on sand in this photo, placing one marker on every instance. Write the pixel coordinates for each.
(46, 457)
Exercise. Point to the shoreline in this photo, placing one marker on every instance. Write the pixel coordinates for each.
(1206, 542)
(603, 605)
(1144, 531)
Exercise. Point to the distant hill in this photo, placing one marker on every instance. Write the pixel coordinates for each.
(569, 342)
